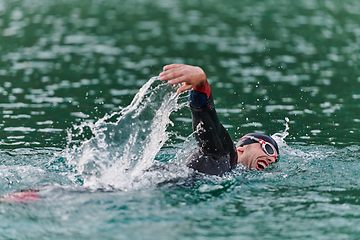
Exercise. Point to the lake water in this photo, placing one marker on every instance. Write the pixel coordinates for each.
(83, 117)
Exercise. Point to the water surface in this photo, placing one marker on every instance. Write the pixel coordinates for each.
(70, 69)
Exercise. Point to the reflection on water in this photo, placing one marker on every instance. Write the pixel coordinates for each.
(65, 64)
(68, 62)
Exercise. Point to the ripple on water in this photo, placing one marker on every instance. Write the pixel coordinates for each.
(71, 62)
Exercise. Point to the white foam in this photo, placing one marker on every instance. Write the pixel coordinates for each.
(125, 143)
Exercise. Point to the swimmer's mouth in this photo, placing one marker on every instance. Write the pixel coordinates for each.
(261, 165)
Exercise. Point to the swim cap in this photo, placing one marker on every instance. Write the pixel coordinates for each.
(266, 138)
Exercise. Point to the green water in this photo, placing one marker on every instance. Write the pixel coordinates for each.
(64, 65)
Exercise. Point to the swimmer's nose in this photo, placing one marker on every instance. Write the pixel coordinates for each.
(271, 160)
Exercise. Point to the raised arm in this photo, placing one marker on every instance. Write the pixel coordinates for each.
(217, 151)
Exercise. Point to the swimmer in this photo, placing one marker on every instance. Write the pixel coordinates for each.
(217, 152)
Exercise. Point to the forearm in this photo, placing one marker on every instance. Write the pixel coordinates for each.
(208, 130)
(210, 134)
(206, 124)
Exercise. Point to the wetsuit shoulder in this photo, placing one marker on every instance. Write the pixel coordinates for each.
(209, 164)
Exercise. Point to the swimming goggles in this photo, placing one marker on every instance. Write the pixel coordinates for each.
(265, 146)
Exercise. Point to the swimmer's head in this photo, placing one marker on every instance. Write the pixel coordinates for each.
(258, 156)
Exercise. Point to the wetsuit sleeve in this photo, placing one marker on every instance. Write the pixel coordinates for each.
(213, 140)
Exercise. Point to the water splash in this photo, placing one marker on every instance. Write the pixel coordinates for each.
(280, 137)
(125, 143)
(296, 159)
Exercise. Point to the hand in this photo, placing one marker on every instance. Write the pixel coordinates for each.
(189, 76)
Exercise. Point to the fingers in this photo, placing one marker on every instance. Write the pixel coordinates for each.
(174, 73)
(171, 77)
(170, 66)
(190, 76)
(184, 88)
(168, 75)
(178, 79)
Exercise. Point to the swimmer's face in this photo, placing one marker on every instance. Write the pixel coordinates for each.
(252, 156)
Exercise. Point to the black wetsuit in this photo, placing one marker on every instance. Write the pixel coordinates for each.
(216, 153)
